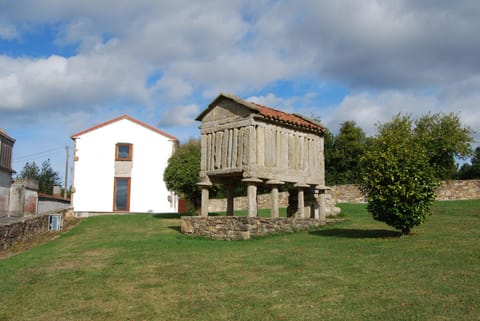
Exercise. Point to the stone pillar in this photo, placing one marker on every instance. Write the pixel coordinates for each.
(252, 195)
(301, 199)
(275, 212)
(315, 211)
(205, 198)
(205, 186)
(301, 204)
(230, 199)
(322, 205)
(322, 190)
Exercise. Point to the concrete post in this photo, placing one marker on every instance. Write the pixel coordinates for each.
(275, 212)
(230, 199)
(252, 195)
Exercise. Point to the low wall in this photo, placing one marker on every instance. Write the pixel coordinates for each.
(447, 191)
(50, 203)
(458, 190)
(23, 229)
(243, 228)
(347, 194)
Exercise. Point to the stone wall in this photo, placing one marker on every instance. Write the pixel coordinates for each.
(265, 201)
(459, 190)
(346, 194)
(21, 230)
(243, 228)
(447, 191)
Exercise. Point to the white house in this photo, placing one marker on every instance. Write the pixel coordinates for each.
(118, 167)
(6, 150)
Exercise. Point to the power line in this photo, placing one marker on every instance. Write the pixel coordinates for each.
(35, 155)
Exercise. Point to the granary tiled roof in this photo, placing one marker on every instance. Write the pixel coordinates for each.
(293, 119)
(268, 113)
(158, 131)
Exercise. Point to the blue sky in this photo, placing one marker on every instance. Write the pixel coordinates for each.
(67, 66)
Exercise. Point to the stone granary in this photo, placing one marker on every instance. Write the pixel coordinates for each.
(244, 142)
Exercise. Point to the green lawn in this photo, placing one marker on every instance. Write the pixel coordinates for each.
(139, 267)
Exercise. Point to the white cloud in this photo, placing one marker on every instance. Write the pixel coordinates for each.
(302, 104)
(175, 88)
(7, 32)
(392, 44)
(179, 116)
(57, 82)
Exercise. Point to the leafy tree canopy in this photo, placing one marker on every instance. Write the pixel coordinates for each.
(46, 176)
(347, 148)
(445, 138)
(471, 171)
(182, 172)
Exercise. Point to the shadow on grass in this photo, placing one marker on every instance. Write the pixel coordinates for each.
(170, 215)
(178, 215)
(357, 233)
(175, 228)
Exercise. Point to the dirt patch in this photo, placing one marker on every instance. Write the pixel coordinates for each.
(68, 223)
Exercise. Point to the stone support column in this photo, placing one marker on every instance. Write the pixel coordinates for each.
(275, 211)
(205, 186)
(321, 201)
(322, 211)
(252, 195)
(205, 198)
(315, 211)
(301, 199)
(230, 199)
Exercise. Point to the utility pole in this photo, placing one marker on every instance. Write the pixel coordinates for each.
(66, 172)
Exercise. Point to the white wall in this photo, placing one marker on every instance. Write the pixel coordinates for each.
(94, 170)
(5, 183)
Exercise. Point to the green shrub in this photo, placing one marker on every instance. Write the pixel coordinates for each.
(397, 177)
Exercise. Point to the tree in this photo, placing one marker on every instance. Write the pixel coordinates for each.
(330, 169)
(182, 172)
(471, 171)
(348, 146)
(444, 138)
(397, 176)
(46, 176)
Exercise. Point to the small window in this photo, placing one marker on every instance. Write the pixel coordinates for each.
(123, 152)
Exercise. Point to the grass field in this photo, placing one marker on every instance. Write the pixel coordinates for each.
(139, 267)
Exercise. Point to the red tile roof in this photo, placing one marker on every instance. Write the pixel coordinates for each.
(77, 135)
(284, 117)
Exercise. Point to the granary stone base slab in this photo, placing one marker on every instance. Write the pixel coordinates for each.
(243, 228)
